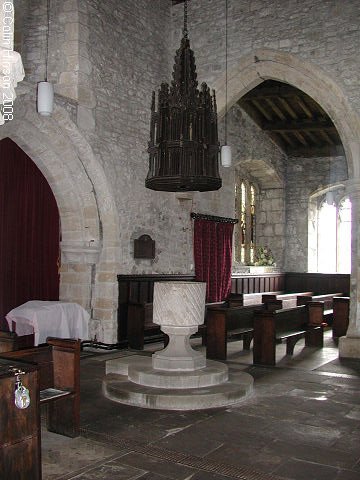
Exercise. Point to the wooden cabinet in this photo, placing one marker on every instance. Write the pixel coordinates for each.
(20, 442)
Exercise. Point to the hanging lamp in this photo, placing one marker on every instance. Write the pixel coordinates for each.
(184, 147)
(226, 149)
(45, 89)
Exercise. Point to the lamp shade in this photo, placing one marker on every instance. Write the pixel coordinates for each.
(45, 98)
(226, 156)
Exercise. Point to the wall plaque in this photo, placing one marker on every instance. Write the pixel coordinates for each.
(144, 247)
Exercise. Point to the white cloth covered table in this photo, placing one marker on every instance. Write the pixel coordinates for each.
(50, 319)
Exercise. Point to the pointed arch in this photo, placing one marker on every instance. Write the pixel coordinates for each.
(89, 220)
(265, 64)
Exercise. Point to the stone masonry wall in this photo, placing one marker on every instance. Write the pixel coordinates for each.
(127, 64)
(128, 50)
(325, 32)
(259, 160)
(106, 58)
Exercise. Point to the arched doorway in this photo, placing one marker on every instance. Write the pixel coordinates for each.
(89, 220)
(29, 232)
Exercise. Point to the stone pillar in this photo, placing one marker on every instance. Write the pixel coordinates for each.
(349, 346)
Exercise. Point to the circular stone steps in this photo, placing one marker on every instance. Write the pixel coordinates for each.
(209, 387)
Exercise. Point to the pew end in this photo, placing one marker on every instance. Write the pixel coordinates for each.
(59, 381)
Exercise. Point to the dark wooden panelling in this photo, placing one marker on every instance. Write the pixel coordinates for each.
(139, 288)
(250, 283)
(319, 283)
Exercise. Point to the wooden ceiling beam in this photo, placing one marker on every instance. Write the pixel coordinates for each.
(288, 108)
(262, 110)
(272, 92)
(303, 106)
(301, 139)
(306, 125)
(292, 119)
(287, 139)
(312, 137)
(326, 137)
(275, 108)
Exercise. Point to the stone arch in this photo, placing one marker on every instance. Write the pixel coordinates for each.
(266, 64)
(264, 173)
(90, 232)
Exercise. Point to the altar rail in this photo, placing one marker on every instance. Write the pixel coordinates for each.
(139, 288)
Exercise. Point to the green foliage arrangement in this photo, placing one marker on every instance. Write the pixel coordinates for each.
(264, 257)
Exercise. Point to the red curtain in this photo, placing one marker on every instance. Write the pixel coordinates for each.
(29, 232)
(213, 257)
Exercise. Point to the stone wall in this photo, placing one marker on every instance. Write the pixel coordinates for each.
(106, 58)
(128, 51)
(325, 35)
(324, 32)
(258, 159)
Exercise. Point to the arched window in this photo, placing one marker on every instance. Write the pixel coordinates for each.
(245, 211)
(334, 235)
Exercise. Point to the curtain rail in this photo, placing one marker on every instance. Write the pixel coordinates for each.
(213, 218)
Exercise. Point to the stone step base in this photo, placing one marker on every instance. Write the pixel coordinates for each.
(119, 388)
(139, 370)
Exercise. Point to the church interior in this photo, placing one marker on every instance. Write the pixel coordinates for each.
(179, 184)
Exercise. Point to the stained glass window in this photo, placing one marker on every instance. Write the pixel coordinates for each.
(245, 206)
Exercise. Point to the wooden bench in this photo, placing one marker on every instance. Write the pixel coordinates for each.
(59, 370)
(272, 327)
(341, 308)
(328, 303)
(141, 327)
(20, 429)
(228, 323)
(288, 300)
(10, 341)
(243, 299)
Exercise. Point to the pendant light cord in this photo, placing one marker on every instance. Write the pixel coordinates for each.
(226, 66)
(185, 30)
(47, 38)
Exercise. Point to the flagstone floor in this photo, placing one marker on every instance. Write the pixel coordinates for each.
(301, 423)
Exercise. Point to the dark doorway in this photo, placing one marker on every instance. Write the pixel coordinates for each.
(29, 232)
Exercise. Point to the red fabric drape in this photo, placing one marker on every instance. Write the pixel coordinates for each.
(29, 232)
(213, 257)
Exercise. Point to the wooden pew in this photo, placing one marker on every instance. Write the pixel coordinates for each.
(223, 323)
(341, 306)
(328, 303)
(59, 370)
(20, 429)
(243, 299)
(272, 327)
(140, 324)
(289, 300)
(10, 341)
